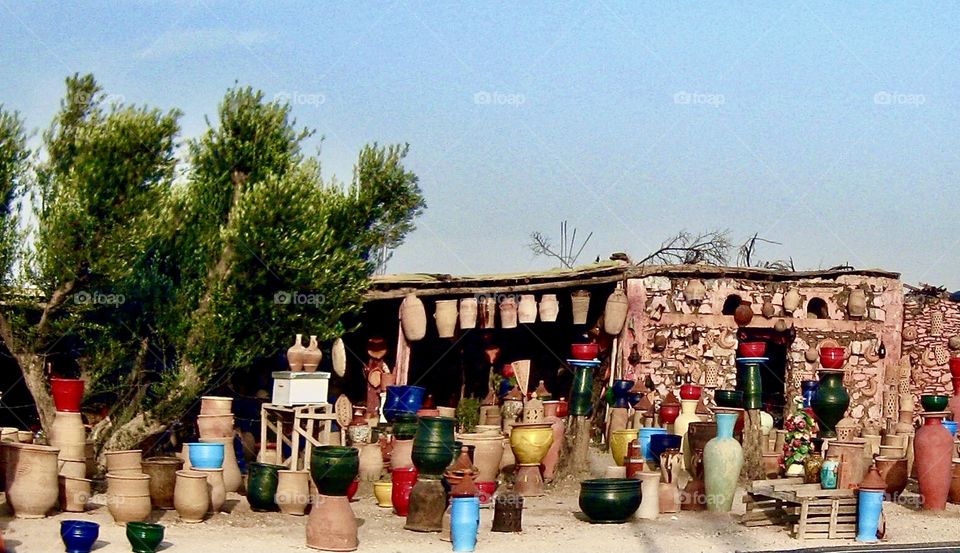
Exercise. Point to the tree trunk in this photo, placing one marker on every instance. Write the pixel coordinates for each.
(131, 434)
(752, 446)
(575, 454)
(34, 376)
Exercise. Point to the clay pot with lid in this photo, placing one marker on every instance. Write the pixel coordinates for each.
(31, 475)
(163, 479)
(191, 497)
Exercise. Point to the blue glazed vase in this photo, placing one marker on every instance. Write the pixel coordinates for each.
(869, 506)
(660, 443)
(722, 461)
(206, 455)
(402, 399)
(808, 389)
(829, 473)
(79, 535)
(643, 439)
(621, 392)
(951, 426)
(464, 522)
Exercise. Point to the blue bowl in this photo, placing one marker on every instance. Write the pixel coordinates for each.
(206, 455)
(79, 535)
(403, 399)
(662, 442)
(951, 426)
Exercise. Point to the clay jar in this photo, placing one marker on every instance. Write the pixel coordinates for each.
(215, 426)
(446, 318)
(549, 308)
(743, 313)
(332, 525)
(468, 313)
(295, 354)
(527, 309)
(293, 492)
(191, 497)
(487, 453)
(163, 479)
(371, 462)
(933, 452)
(312, 356)
(128, 497)
(401, 455)
(67, 429)
(232, 479)
(31, 474)
(218, 494)
(413, 318)
(74, 493)
(894, 474)
(216, 405)
(124, 462)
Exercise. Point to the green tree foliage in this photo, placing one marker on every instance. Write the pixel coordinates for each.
(212, 265)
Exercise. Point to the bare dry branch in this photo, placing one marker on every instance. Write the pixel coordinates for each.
(685, 248)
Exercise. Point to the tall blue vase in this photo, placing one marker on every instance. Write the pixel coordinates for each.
(869, 506)
(643, 439)
(808, 389)
(464, 522)
(722, 461)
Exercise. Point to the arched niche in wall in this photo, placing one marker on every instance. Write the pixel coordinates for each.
(730, 304)
(817, 309)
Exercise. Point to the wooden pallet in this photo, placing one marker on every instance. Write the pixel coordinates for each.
(809, 511)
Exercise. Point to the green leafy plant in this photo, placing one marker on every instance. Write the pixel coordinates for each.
(468, 414)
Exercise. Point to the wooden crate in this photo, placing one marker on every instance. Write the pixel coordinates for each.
(809, 512)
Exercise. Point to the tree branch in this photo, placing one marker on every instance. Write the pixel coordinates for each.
(57, 299)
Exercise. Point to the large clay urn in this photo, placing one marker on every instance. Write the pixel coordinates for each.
(293, 492)
(743, 314)
(191, 497)
(232, 478)
(295, 354)
(371, 462)
(446, 318)
(332, 525)
(401, 454)
(615, 312)
(580, 305)
(550, 460)
(67, 429)
(413, 318)
(74, 493)
(163, 479)
(31, 475)
(128, 497)
(830, 401)
(487, 453)
(215, 426)
(894, 473)
(933, 451)
(722, 461)
(468, 313)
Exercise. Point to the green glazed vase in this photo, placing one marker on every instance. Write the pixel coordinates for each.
(262, 481)
(830, 402)
(144, 537)
(582, 392)
(748, 382)
(334, 468)
(722, 461)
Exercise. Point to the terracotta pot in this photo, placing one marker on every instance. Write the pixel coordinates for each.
(191, 496)
(487, 453)
(401, 455)
(215, 426)
(332, 525)
(312, 356)
(445, 315)
(580, 306)
(508, 312)
(468, 313)
(293, 492)
(216, 405)
(955, 482)
(31, 477)
(74, 493)
(894, 474)
(295, 354)
(933, 451)
(549, 308)
(163, 479)
(615, 312)
(128, 497)
(413, 318)
(371, 462)
(67, 393)
(124, 462)
(232, 478)
(67, 428)
(527, 309)
(74, 468)
(791, 300)
(218, 494)
(743, 313)
(550, 460)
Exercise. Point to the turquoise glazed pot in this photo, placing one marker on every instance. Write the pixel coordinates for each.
(464, 522)
(869, 505)
(144, 537)
(722, 461)
(262, 481)
(830, 402)
(206, 455)
(609, 500)
(333, 468)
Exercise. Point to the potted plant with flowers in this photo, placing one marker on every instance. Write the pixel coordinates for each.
(798, 442)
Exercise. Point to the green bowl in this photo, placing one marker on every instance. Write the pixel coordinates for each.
(609, 500)
(144, 537)
(728, 398)
(934, 403)
(432, 459)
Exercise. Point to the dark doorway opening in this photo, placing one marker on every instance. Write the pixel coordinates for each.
(773, 374)
(731, 304)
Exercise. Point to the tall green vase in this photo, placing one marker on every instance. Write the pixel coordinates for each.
(748, 382)
(722, 461)
(830, 402)
(433, 446)
(580, 397)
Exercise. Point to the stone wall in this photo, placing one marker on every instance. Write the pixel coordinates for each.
(928, 325)
(667, 335)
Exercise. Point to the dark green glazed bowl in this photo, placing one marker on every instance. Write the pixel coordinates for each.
(405, 426)
(144, 537)
(333, 468)
(434, 431)
(432, 459)
(609, 500)
(728, 398)
(933, 403)
(262, 479)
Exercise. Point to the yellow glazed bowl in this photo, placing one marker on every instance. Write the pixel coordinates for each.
(618, 443)
(530, 442)
(383, 491)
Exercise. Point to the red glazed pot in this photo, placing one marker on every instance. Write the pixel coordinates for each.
(669, 412)
(403, 481)
(67, 393)
(486, 489)
(690, 391)
(933, 453)
(563, 407)
(584, 352)
(352, 489)
(752, 349)
(832, 358)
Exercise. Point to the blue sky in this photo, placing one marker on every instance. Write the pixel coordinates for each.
(829, 128)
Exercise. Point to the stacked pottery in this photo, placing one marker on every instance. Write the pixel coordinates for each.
(643, 439)
(31, 475)
(332, 525)
(191, 496)
(433, 449)
(293, 491)
(69, 435)
(163, 479)
(722, 460)
(128, 497)
(216, 417)
(207, 458)
(933, 450)
(530, 443)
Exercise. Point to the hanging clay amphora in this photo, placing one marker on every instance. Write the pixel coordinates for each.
(468, 313)
(527, 310)
(446, 318)
(549, 308)
(615, 312)
(413, 318)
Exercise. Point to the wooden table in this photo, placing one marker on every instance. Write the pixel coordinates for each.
(313, 423)
(809, 511)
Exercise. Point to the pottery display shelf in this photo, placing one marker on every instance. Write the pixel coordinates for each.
(808, 511)
(313, 423)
